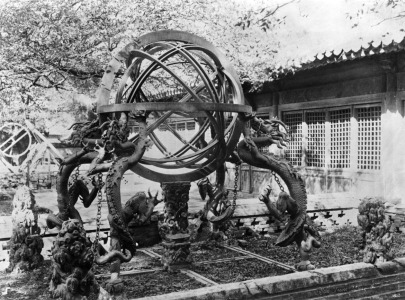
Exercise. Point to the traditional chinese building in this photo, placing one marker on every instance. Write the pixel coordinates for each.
(346, 117)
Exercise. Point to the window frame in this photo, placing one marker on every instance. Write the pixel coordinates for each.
(302, 112)
(353, 135)
(380, 138)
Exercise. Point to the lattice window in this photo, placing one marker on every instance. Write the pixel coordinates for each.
(316, 139)
(162, 127)
(294, 150)
(190, 125)
(369, 139)
(181, 126)
(340, 138)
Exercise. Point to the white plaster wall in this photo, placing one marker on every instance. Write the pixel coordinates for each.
(393, 155)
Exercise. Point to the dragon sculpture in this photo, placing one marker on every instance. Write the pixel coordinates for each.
(114, 154)
(106, 148)
(217, 210)
(218, 203)
(77, 190)
(139, 208)
(260, 133)
(299, 228)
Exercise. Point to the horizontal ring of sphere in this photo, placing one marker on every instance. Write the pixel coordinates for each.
(173, 106)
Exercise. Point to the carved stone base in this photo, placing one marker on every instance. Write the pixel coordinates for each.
(176, 250)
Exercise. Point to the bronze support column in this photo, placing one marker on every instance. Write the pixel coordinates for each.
(173, 229)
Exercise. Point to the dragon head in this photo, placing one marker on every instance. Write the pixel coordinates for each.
(271, 129)
(81, 130)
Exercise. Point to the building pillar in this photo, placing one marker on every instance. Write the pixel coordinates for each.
(273, 108)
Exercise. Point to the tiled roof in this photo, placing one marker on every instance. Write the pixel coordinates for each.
(332, 57)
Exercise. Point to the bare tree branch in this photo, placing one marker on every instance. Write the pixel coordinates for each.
(399, 16)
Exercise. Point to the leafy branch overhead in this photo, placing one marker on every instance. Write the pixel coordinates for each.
(44, 46)
(265, 18)
(55, 44)
(64, 45)
(382, 10)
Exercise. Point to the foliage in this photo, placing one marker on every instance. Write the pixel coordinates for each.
(53, 52)
(46, 109)
(263, 17)
(44, 43)
(64, 45)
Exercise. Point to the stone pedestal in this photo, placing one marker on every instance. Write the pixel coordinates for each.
(173, 228)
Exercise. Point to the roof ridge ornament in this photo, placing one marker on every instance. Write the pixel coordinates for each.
(374, 48)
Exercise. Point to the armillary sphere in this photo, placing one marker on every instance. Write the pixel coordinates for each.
(179, 78)
(15, 140)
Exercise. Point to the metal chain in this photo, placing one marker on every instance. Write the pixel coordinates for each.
(277, 180)
(74, 177)
(116, 216)
(235, 185)
(98, 217)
